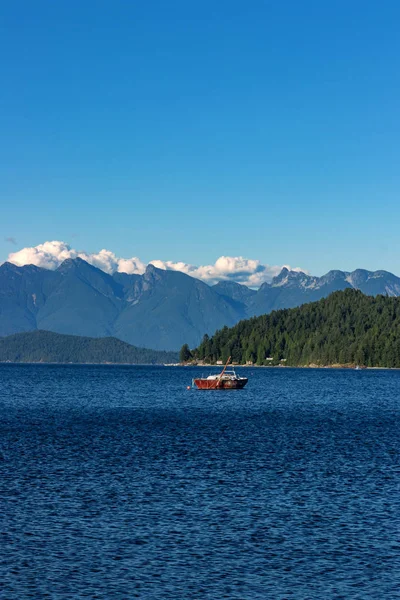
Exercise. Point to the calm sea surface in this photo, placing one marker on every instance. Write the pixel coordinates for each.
(118, 482)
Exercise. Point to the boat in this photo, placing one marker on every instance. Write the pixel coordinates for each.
(226, 380)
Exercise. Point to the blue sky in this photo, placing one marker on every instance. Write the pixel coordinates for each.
(184, 131)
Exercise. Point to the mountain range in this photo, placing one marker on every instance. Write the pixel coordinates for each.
(159, 309)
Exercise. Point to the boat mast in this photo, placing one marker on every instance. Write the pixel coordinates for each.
(222, 372)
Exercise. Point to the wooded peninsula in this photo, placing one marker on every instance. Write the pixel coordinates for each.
(347, 328)
(50, 347)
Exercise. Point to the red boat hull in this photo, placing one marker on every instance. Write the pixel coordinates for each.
(220, 384)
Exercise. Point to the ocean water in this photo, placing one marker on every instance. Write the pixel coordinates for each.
(118, 483)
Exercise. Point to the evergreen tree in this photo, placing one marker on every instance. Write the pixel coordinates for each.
(185, 354)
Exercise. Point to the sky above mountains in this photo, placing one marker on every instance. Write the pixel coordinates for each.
(191, 131)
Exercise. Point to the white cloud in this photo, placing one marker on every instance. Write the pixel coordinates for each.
(250, 272)
(226, 268)
(110, 263)
(50, 255)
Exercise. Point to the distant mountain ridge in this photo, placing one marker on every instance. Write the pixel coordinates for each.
(159, 309)
(155, 310)
(50, 347)
(292, 288)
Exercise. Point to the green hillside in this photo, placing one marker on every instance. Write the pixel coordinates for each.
(345, 328)
(46, 346)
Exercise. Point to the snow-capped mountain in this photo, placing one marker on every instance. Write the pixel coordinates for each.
(159, 309)
(292, 288)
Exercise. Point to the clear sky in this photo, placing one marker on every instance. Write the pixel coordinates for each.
(184, 131)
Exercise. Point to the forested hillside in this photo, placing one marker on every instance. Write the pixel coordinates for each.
(345, 328)
(46, 346)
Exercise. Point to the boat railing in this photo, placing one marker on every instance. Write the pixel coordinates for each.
(230, 371)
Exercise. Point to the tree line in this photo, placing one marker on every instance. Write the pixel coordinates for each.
(47, 346)
(345, 328)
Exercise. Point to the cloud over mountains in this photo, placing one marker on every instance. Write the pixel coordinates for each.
(50, 255)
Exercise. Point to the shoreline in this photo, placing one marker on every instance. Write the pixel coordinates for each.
(183, 365)
(82, 364)
(311, 366)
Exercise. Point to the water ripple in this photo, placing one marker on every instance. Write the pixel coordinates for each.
(118, 482)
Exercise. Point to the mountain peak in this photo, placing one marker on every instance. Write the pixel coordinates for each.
(230, 284)
(234, 290)
(76, 263)
(68, 263)
(9, 267)
(152, 269)
(288, 278)
(331, 276)
(358, 277)
(153, 274)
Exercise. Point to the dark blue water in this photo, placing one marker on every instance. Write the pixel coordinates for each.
(118, 482)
